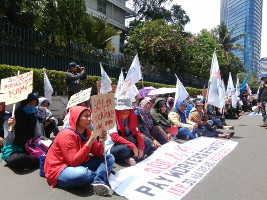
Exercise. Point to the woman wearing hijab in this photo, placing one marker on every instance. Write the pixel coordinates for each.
(129, 144)
(170, 103)
(145, 124)
(160, 116)
(24, 126)
(45, 117)
(3, 116)
(178, 118)
(76, 158)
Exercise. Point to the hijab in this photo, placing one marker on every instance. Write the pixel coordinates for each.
(177, 108)
(25, 123)
(145, 114)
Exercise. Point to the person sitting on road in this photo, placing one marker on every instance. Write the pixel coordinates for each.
(146, 126)
(160, 116)
(24, 126)
(177, 117)
(230, 112)
(129, 144)
(3, 116)
(204, 128)
(170, 103)
(76, 158)
(216, 122)
(47, 121)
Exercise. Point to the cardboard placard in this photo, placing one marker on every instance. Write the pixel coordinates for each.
(79, 97)
(16, 88)
(103, 112)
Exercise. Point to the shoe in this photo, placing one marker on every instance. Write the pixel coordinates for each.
(231, 134)
(100, 189)
(130, 161)
(263, 125)
(228, 127)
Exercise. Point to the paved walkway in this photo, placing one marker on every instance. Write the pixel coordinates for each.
(241, 175)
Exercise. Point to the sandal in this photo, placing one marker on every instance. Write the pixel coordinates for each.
(227, 136)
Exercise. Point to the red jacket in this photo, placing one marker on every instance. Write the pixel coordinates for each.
(132, 124)
(68, 150)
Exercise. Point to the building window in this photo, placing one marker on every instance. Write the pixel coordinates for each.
(101, 6)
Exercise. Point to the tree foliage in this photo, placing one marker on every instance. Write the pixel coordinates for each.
(155, 9)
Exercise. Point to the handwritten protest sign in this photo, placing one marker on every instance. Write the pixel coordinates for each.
(103, 111)
(79, 97)
(16, 88)
(171, 171)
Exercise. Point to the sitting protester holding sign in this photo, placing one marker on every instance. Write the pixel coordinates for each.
(24, 126)
(201, 117)
(76, 157)
(146, 126)
(128, 140)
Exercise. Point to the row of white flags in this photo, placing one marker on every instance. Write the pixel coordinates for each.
(216, 92)
(128, 87)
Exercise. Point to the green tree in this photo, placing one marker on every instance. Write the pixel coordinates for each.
(159, 44)
(228, 43)
(155, 9)
(99, 32)
(63, 18)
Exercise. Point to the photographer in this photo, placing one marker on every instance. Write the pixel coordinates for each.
(73, 79)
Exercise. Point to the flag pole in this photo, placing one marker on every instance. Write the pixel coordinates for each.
(14, 107)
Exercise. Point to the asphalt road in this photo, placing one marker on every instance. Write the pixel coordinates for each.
(241, 175)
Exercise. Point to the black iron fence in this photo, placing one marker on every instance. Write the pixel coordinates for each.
(35, 49)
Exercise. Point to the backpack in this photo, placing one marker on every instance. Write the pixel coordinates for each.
(35, 147)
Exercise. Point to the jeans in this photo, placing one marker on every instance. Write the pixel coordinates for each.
(263, 110)
(185, 131)
(216, 121)
(92, 171)
(121, 151)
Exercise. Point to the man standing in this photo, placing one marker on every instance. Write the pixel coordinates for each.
(73, 79)
(262, 99)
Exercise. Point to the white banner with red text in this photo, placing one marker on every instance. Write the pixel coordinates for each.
(171, 171)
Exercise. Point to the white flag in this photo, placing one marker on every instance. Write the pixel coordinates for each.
(215, 83)
(132, 92)
(105, 82)
(237, 87)
(222, 94)
(48, 89)
(231, 91)
(133, 76)
(249, 90)
(181, 93)
(119, 86)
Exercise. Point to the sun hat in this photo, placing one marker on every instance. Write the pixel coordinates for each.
(123, 103)
(199, 103)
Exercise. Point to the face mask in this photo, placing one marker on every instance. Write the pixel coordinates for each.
(29, 109)
(124, 116)
(42, 108)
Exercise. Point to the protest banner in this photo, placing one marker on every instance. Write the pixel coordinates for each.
(16, 88)
(103, 111)
(79, 97)
(172, 170)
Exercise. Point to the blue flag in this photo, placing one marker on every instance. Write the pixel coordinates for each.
(242, 87)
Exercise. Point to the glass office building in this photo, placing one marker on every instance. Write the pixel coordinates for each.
(246, 17)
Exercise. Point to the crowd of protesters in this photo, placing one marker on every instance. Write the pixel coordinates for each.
(76, 156)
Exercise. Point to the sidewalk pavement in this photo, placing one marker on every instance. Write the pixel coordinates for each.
(241, 175)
